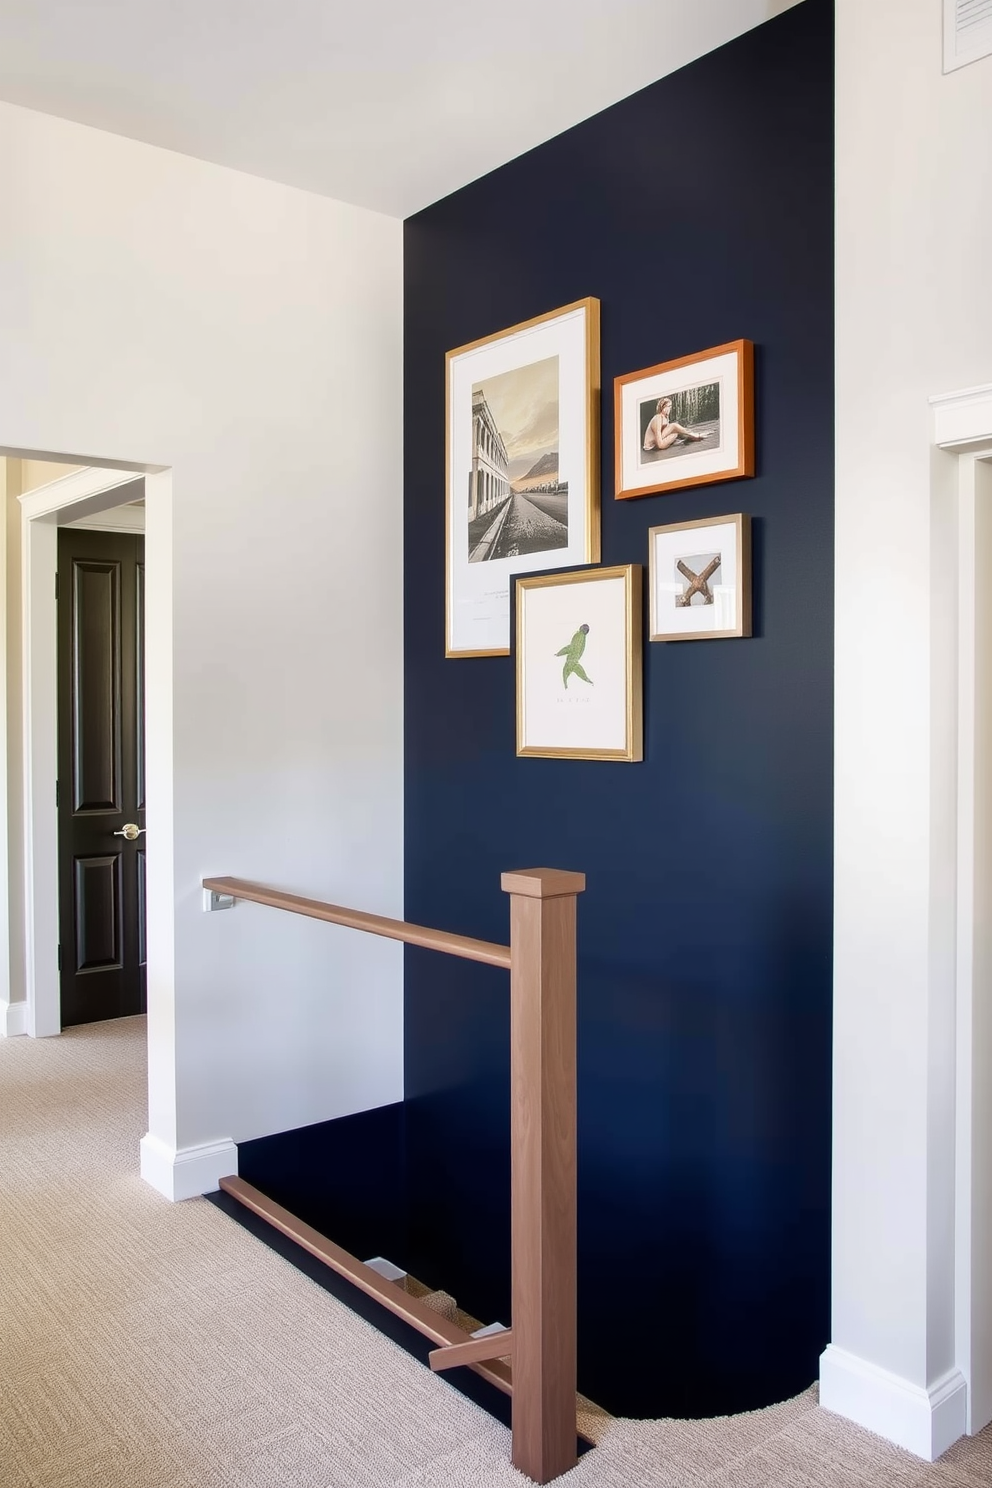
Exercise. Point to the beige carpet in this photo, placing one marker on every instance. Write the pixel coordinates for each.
(153, 1345)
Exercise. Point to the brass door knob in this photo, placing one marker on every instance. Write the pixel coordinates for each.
(131, 831)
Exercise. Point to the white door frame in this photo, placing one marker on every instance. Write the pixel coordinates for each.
(80, 495)
(962, 426)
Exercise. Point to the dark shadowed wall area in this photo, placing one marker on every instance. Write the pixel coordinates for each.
(698, 211)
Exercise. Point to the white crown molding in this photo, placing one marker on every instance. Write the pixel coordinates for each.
(69, 489)
(13, 1019)
(925, 1422)
(962, 419)
(79, 494)
(187, 1172)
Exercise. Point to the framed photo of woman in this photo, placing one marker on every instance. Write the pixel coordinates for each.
(685, 423)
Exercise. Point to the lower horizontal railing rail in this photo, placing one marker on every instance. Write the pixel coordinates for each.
(541, 1341)
(426, 1320)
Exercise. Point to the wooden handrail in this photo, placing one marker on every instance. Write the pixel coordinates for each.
(541, 960)
(486, 951)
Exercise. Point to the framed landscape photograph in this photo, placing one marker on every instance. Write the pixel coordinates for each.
(522, 441)
(685, 423)
(699, 579)
(579, 679)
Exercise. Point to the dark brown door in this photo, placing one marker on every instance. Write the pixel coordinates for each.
(101, 788)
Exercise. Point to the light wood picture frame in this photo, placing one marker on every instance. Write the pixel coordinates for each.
(522, 455)
(699, 579)
(579, 662)
(685, 423)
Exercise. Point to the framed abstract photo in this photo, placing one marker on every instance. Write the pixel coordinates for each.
(685, 423)
(579, 676)
(700, 579)
(522, 463)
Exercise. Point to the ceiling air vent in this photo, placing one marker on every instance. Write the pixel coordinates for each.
(967, 32)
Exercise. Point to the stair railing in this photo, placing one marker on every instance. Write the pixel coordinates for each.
(541, 1340)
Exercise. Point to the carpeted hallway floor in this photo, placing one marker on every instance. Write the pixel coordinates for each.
(153, 1345)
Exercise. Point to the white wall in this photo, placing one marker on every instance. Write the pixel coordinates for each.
(914, 318)
(161, 311)
(17, 476)
(35, 473)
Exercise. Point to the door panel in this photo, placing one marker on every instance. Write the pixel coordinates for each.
(97, 913)
(95, 686)
(101, 705)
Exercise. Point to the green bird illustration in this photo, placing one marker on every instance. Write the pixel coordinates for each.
(572, 652)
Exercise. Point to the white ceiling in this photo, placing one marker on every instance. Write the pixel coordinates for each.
(389, 104)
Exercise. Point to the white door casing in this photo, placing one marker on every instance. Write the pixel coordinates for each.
(911, 1350)
(79, 495)
(962, 427)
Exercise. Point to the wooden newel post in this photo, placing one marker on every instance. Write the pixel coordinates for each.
(543, 1162)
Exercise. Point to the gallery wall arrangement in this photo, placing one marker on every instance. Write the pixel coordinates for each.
(522, 442)
(699, 215)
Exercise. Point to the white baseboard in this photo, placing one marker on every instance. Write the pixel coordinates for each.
(190, 1171)
(925, 1422)
(13, 1019)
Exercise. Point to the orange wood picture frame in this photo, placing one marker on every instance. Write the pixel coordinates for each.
(676, 480)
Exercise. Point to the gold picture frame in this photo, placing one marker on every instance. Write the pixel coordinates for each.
(564, 623)
(699, 579)
(705, 434)
(522, 418)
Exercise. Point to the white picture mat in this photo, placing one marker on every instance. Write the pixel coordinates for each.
(667, 583)
(584, 716)
(721, 369)
(478, 617)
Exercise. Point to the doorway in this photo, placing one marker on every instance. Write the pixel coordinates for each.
(88, 496)
(100, 791)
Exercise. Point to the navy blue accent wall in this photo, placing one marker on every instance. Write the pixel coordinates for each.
(698, 211)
